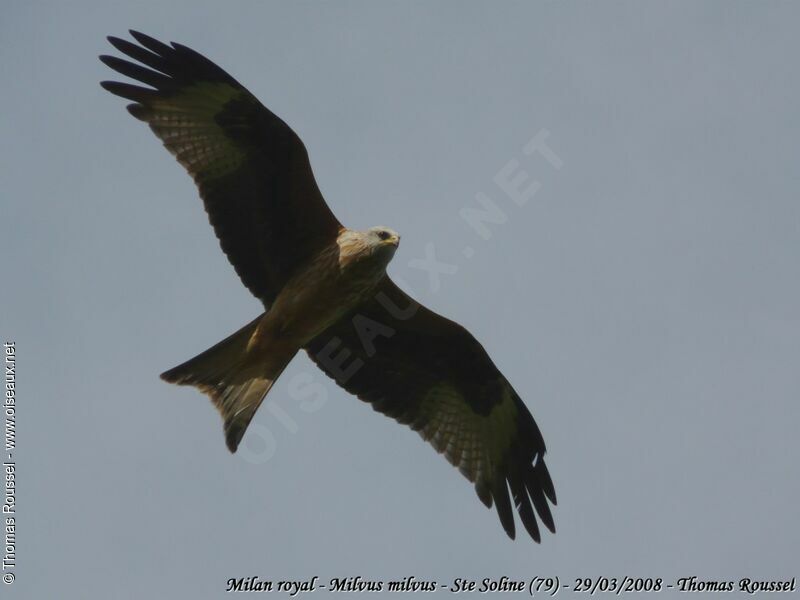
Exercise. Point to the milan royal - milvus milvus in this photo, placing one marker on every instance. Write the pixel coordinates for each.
(324, 288)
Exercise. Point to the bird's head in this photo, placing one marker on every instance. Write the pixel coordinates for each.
(381, 236)
(375, 246)
(382, 243)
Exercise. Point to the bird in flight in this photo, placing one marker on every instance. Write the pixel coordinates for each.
(324, 288)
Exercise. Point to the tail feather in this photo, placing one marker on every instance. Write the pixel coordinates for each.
(235, 381)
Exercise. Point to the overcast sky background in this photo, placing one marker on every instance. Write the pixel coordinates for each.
(645, 303)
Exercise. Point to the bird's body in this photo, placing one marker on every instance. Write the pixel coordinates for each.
(324, 288)
(327, 286)
(335, 280)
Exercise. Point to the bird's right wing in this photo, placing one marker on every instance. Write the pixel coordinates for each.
(430, 373)
(252, 170)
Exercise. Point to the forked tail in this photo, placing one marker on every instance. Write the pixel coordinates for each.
(235, 380)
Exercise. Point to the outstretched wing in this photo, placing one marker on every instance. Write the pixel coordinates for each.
(431, 374)
(251, 169)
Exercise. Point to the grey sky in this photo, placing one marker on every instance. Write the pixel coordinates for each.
(644, 303)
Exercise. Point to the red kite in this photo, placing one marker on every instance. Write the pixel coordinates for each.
(324, 288)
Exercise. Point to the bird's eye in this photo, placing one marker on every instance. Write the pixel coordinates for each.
(384, 235)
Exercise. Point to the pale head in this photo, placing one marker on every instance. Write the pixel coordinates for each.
(381, 235)
(376, 245)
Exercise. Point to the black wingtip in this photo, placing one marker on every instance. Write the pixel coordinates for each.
(523, 503)
(529, 522)
(233, 436)
(484, 494)
(138, 111)
(502, 503)
(120, 44)
(546, 481)
(138, 35)
(128, 91)
(150, 43)
(537, 496)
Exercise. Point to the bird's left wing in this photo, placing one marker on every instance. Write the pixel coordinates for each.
(252, 170)
(431, 374)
